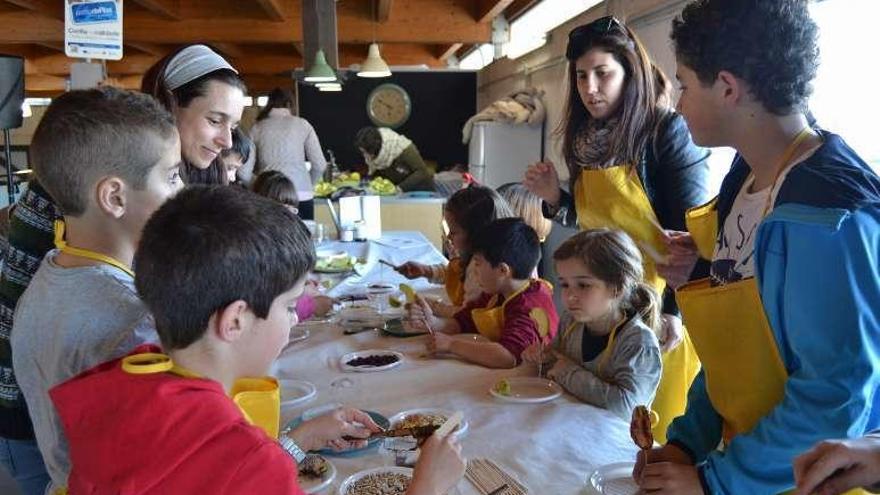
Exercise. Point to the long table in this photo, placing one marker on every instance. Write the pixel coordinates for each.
(551, 447)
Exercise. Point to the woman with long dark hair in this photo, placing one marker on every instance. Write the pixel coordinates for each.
(206, 96)
(632, 167)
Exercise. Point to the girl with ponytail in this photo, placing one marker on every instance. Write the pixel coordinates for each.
(607, 354)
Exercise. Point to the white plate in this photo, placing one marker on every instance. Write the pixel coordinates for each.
(462, 427)
(343, 489)
(298, 333)
(315, 485)
(296, 392)
(614, 479)
(369, 352)
(528, 390)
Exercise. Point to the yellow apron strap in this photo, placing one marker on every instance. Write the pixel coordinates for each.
(702, 223)
(259, 399)
(61, 244)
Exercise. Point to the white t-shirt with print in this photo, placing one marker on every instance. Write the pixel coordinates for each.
(734, 258)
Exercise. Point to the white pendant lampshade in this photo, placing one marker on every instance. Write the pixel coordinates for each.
(329, 87)
(374, 66)
(320, 71)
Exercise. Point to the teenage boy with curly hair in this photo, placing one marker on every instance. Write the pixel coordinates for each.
(787, 324)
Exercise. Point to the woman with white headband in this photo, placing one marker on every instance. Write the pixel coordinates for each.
(206, 96)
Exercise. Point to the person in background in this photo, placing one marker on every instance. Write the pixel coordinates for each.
(526, 205)
(834, 466)
(394, 157)
(205, 404)
(206, 96)
(237, 155)
(787, 323)
(607, 354)
(632, 167)
(285, 142)
(110, 158)
(276, 186)
(514, 310)
(465, 215)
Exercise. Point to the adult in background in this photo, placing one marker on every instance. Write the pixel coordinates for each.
(633, 167)
(285, 143)
(206, 96)
(394, 157)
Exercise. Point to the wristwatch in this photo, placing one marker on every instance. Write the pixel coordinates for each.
(291, 447)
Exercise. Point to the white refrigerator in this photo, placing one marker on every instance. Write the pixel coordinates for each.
(500, 153)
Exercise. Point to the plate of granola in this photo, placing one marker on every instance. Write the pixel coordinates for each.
(424, 417)
(315, 473)
(381, 480)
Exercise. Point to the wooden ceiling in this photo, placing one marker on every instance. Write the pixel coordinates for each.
(262, 38)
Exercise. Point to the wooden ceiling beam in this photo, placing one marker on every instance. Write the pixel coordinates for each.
(486, 10)
(518, 8)
(49, 8)
(54, 45)
(166, 9)
(148, 48)
(272, 8)
(383, 12)
(448, 51)
(454, 23)
(229, 49)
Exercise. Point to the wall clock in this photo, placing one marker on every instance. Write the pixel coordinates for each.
(388, 105)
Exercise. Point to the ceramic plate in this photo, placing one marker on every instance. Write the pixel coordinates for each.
(343, 361)
(315, 485)
(528, 390)
(379, 419)
(460, 430)
(614, 479)
(398, 328)
(296, 392)
(298, 333)
(351, 480)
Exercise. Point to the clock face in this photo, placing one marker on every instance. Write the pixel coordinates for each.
(389, 105)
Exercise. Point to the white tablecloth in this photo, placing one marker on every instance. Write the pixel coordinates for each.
(396, 247)
(551, 447)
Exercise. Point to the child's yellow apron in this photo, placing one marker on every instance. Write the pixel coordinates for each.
(489, 320)
(259, 399)
(745, 375)
(454, 282)
(614, 198)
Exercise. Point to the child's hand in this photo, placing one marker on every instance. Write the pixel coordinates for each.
(327, 430)
(669, 478)
(442, 309)
(440, 466)
(421, 315)
(412, 270)
(535, 352)
(671, 332)
(542, 180)
(681, 258)
(323, 305)
(667, 453)
(438, 342)
(836, 466)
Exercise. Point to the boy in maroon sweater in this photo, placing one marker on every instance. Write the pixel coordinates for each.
(515, 310)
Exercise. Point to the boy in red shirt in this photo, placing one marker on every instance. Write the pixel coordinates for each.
(221, 270)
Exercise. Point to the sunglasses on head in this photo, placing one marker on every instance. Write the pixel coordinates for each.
(600, 26)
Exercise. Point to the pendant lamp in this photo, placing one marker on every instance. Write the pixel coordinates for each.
(320, 71)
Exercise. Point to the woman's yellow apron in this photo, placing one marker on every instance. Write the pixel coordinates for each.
(614, 198)
(259, 399)
(489, 320)
(745, 375)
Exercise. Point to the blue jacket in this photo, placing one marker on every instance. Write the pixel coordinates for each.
(817, 263)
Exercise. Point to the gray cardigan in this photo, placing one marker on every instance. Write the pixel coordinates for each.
(629, 371)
